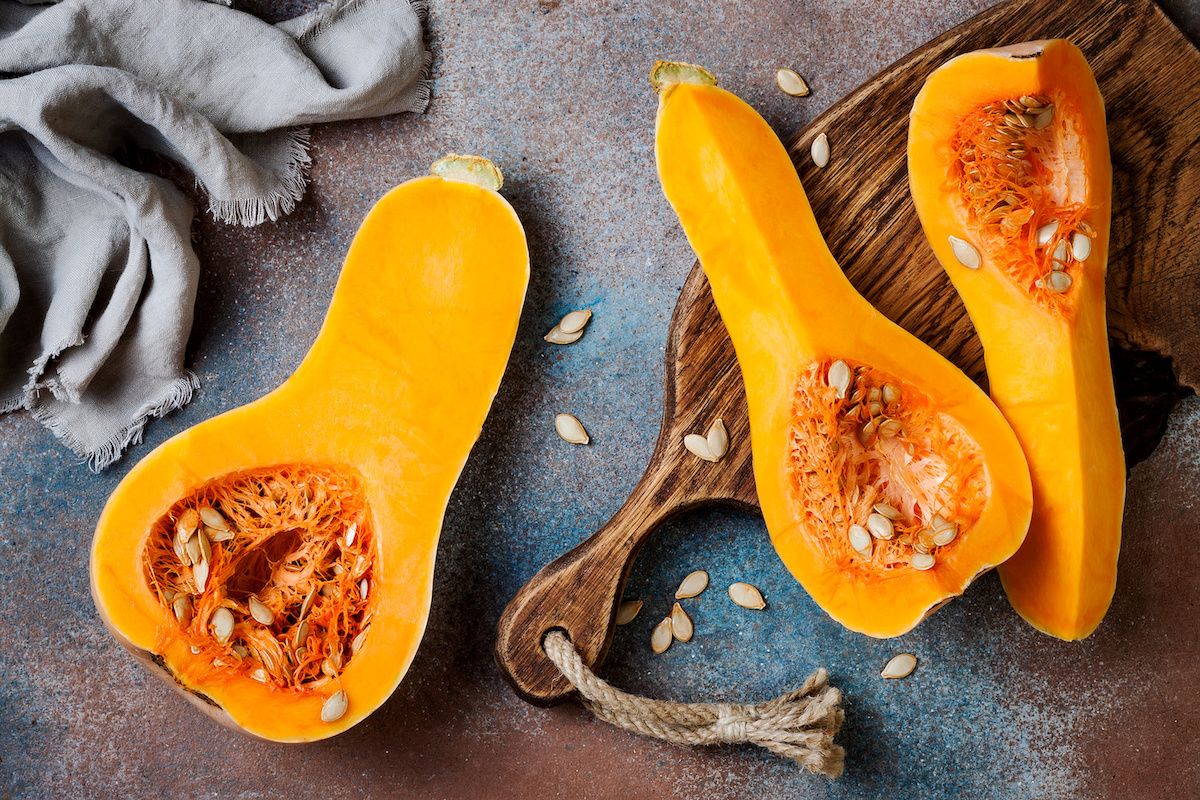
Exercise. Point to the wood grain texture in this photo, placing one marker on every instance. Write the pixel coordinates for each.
(1149, 74)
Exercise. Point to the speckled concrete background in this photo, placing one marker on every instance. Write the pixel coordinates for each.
(555, 92)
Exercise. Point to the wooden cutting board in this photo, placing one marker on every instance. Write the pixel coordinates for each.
(1149, 74)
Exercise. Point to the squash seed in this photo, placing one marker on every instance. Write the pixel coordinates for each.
(181, 552)
(575, 321)
(681, 623)
(570, 429)
(790, 82)
(627, 611)
(888, 510)
(215, 535)
(819, 150)
(189, 520)
(692, 585)
(880, 526)
(259, 611)
(359, 641)
(1044, 118)
(1046, 233)
(205, 547)
(922, 561)
(558, 336)
(889, 394)
(747, 596)
(1059, 282)
(182, 606)
(718, 439)
(889, 428)
(240, 650)
(966, 253)
(899, 666)
(193, 549)
(351, 532)
(860, 540)
(212, 518)
(661, 637)
(1081, 246)
(697, 445)
(839, 377)
(329, 670)
(200, 575)
(259, 675)
(222, 624)
(363, 586)
(301, 635)
(945, 536)
(1060, 251)
(308, 601)
(334, 707)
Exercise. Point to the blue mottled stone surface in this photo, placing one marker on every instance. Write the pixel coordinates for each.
(556, 94)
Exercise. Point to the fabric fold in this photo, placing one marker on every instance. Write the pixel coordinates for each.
(97, 273)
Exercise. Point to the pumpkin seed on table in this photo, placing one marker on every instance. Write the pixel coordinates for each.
(570, 328)
(627, 611)
(747, 596)
(662, 636)
(899, 666)
(692, 585)
(791, 82)
(681, 623)
(819, 150)
(570, 429)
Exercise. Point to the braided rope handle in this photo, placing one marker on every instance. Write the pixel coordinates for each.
(799, 725)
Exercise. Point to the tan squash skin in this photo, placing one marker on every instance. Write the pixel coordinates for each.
(786, 304)
(396, 386)
(1049, 373)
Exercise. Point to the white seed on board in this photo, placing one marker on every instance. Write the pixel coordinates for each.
(790, 82)
(259, 611)
(351, 532)
(747, 596)
(182, 606)
(222, 624)
(575, 321)
(570, 429)
(860, 540)
(1081, 246)
(697, 445)
(1046, 233)
(880, 526)
(718, 439)
(628, 610)
(888, 510)
(200, 575)
(966, 253)
(820, 150)
(692, 585)
(839, 377)
(681, 624)
(661, 636)
(334, 707)
(945, 536)
(899, 666)
(558, 336)
(922, 561)
(213, 519)
(1059, 282)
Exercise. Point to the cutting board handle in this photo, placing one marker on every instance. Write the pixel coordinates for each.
(579, 592)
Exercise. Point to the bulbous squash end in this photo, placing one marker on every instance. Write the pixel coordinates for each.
(475, 170)
(669, 73)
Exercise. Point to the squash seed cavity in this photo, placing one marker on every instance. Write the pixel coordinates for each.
(880, 478)
(1024, 194)
(265, 573)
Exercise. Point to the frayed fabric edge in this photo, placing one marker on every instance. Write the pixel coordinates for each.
(330, 11)
(178, 394)
(282, 200)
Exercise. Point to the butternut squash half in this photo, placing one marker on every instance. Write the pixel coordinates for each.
(1009, 167)
(887, 478)
(276, 562)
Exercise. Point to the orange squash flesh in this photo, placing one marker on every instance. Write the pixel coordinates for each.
(822, 456)
(374, 427)
(1046, 346)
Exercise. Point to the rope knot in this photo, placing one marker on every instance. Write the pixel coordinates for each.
(799, 725)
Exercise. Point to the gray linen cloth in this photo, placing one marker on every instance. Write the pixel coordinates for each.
(97, 272)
